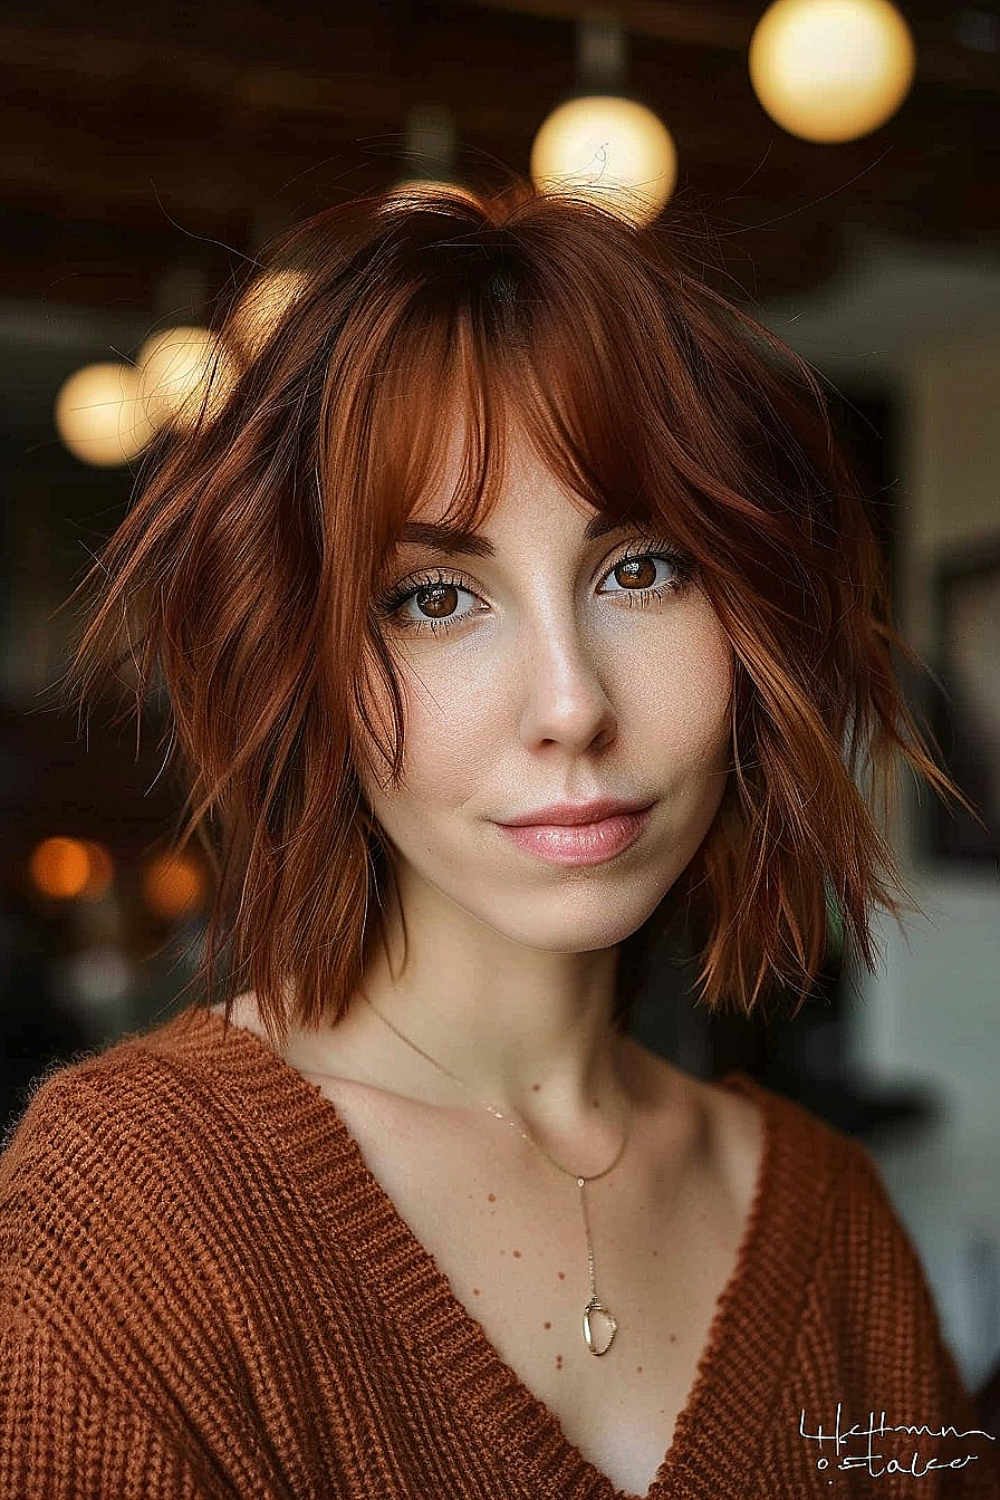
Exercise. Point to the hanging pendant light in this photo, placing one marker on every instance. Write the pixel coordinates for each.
(831, 70)
(99, 414)
(600, 143)
(429, 137)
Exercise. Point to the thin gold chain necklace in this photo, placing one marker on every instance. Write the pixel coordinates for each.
(594, 1305)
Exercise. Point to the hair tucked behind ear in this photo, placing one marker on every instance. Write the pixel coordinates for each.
(245, 576)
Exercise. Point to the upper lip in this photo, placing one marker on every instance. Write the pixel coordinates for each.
(576, 812)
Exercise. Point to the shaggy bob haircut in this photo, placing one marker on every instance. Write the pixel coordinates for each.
(248, 572)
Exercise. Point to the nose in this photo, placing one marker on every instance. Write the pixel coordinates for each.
(564, 698)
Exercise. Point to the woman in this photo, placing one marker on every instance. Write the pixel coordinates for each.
(408, 1212)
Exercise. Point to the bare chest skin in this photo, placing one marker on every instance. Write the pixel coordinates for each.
(506, 1229)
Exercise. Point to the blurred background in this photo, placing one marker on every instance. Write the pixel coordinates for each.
(844, 157)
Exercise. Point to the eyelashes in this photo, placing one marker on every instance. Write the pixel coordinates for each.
(391, 603)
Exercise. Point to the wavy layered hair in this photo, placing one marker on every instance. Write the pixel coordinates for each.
(244, 581)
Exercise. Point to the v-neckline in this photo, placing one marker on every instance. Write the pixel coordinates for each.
(748, 1345)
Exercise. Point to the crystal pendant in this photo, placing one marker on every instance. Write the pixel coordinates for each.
(596, 1306)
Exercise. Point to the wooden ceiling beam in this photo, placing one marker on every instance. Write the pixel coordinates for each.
(178, 141)
(940, 56)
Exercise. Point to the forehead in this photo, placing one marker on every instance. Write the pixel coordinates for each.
(454, 540)
(531, 497)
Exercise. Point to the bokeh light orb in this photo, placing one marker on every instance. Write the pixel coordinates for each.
(173, 886)
(97, 978)
(59, 867)
(262, 306)
(101, 870)
(64, 868)
(607, 148)
(178, 375)
(831, 70)
(99, 414)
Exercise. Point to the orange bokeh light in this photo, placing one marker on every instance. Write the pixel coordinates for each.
(64, 868)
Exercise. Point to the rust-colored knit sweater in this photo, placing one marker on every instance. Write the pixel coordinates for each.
(205, 1292)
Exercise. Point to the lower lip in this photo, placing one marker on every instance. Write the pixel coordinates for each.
(582, 844)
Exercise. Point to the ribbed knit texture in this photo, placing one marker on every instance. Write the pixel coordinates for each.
(204, 1291)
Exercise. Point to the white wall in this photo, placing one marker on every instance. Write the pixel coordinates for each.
(933, 1011)
(929, 327)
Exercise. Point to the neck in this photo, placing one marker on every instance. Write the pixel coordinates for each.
(532, 1038)
(478, 1018)
(583, 1082)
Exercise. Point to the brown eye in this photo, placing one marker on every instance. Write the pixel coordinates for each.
(438, 597)
(638, 570)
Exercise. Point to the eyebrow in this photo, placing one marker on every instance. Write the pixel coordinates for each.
(453, 541)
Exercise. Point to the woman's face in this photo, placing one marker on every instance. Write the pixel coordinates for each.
(570, 672)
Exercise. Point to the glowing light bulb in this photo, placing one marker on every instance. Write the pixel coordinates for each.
(608, 148)
(99, 416)
(261, 307)
(178, 375)
(831, 70)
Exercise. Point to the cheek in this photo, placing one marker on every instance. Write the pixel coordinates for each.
(448, 725)
(684, 689)
(453, 729)
(701, 704)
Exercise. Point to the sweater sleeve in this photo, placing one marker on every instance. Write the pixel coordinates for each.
(65, 1437)
(118, 1372)
(893, 1366)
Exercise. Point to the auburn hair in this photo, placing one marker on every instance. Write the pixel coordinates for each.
(245, 577)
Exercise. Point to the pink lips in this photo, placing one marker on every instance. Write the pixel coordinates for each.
(576, 813)
(579, 844)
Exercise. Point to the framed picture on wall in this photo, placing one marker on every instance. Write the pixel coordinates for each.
(964, 707)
